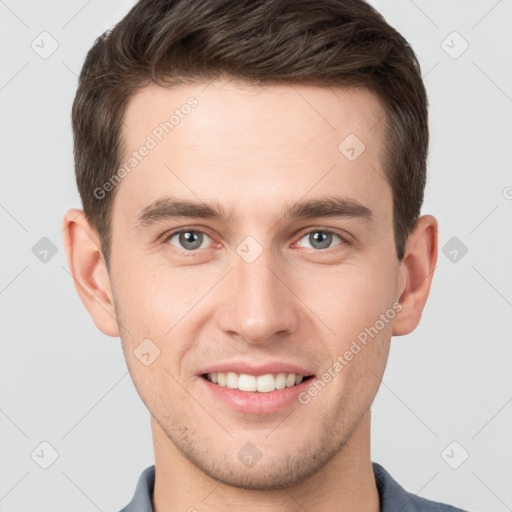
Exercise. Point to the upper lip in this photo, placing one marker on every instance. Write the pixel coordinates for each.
(256, 369)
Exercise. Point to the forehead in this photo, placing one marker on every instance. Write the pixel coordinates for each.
(264, 109)
(252, 146)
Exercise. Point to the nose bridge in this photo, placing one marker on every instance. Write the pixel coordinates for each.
(259, 304)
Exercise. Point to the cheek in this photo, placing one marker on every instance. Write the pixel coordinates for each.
(350, 298)
(153, 307)
(351, 305)
(162, 305)
(153, 300)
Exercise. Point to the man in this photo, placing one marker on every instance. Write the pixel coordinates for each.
(252, 175)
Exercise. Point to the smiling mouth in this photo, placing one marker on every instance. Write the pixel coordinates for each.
(255, 383)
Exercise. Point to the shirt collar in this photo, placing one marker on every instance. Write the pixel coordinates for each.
(392, 496)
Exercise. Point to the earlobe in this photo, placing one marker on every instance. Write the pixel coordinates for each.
(90, 275)
(416, 273)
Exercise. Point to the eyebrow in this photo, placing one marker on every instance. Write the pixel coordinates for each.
(170, 207)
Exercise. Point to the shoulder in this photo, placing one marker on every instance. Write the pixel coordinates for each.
(394, 498)
(142, 499)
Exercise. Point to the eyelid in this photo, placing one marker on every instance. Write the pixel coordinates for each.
(168, 234)
(345, 238)
(181, 252)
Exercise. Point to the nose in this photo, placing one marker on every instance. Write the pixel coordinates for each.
(259, 306)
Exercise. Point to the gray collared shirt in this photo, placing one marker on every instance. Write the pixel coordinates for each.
(393, 497)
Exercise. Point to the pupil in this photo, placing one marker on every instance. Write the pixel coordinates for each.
(320, 239)
(191, 240)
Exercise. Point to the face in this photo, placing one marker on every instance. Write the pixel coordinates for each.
(254, 239)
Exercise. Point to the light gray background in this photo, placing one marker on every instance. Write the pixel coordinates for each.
(63, 382)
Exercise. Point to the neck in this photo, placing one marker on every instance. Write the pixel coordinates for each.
(345, 483)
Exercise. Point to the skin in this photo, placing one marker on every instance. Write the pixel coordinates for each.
(255, 150)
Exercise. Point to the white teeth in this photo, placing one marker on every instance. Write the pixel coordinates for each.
(247, 382)
(290, 380)
(221, 376)
(266, 383)
(281, 381)
(232, 380)
(261, 383)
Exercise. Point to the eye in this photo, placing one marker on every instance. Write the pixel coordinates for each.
(189, 240)
(320, 239)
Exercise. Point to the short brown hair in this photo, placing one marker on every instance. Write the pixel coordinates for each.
(315, 42)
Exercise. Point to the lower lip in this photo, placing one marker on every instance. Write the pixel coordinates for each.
(253, 402)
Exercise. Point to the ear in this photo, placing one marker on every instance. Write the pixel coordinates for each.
(87, 266)
(416, 273)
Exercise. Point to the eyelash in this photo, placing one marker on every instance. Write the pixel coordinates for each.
(194, 252)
